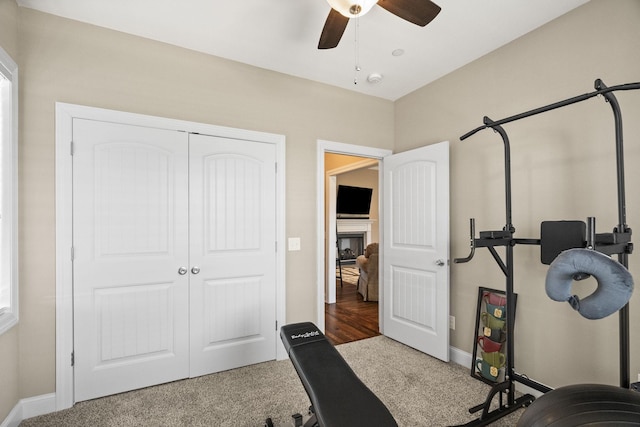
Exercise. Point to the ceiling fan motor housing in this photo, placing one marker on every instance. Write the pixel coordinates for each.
(352, 8)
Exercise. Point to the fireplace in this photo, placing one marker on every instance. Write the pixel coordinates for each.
(353, 236)
(350, 245)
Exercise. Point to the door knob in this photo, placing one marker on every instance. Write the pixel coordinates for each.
(439, 263)
(182, 271)
(195, 270)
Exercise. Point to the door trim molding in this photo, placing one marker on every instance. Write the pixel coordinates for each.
(65, 113)
(323, 147)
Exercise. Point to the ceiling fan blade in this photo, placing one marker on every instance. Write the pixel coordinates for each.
(419, 12)
(333, 29)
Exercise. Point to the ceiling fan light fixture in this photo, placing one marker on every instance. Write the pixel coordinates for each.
(352, 8)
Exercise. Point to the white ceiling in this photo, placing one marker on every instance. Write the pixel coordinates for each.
(282, 35)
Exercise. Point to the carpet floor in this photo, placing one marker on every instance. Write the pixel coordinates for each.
(418, 390)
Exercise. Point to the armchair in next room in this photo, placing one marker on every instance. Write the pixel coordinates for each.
(368, 266)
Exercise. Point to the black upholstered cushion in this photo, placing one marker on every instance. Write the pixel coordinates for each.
(338, 396)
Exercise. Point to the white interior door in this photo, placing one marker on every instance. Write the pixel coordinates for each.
(233, 249)
(130, 237)
(416, 249)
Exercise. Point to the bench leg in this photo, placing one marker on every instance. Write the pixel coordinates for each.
(312, 422)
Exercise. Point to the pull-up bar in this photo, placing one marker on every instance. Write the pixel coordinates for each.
(601, 89)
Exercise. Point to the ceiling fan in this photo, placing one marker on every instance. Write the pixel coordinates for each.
(419, 12)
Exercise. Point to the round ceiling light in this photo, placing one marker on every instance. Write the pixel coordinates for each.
(352, 8)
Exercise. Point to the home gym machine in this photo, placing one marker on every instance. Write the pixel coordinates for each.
(617, 242)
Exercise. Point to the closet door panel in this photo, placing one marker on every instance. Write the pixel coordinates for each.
(232, 253)
(130, 226)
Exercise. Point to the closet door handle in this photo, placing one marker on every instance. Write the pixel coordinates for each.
(439, 263)
(182, 271)
(195, 270)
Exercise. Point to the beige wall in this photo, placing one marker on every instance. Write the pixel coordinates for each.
(562, 161)
(63, 60)
(9, 383)
(563, 167)
(9, 27)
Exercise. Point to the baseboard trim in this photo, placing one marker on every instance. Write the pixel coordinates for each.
(14, 418)
(460, 357)
(30, 407)
(38, 405)
(464, 359)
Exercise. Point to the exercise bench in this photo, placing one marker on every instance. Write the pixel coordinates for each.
(338, 397)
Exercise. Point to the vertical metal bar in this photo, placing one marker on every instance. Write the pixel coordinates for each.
(507, 171)
(617, 115)
(481, 291)
(623, 314)
(508, 270)
(591, 232)
(511, 304)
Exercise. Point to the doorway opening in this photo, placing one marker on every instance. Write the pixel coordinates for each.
(340, 307)
(353, 317)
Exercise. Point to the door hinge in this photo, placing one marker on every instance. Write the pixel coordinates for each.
(276, 325)
(73, 254)
(71, 148)
(73, 359)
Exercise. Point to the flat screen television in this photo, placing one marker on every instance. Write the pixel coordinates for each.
(353, 202)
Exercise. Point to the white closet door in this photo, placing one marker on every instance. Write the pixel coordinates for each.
(130, 237)
(233, 254)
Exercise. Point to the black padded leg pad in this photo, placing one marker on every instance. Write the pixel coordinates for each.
(558, 236)
(338, 396)
(584, 405)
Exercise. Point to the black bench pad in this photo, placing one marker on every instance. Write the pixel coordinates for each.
(337, 395)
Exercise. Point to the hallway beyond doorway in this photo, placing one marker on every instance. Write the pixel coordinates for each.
(350, 318)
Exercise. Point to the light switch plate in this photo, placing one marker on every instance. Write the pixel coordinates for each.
(294, 243)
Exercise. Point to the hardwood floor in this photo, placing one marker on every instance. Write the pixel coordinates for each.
(350, 318)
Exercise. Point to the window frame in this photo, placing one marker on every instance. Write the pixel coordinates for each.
(9, 192)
